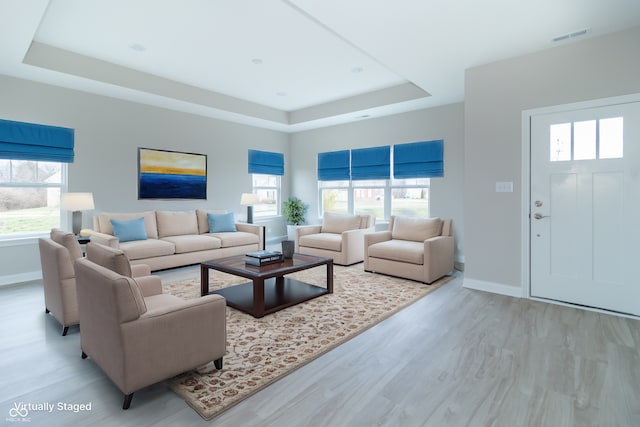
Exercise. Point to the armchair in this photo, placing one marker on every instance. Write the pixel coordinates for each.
(420, 249)
(57, 254)
(138, 341)
(339, 237)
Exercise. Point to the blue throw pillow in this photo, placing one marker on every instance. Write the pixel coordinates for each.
(127, 231)
(219, 223)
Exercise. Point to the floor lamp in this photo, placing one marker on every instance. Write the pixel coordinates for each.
(76, 203)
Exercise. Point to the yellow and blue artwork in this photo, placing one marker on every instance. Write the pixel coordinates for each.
(164, 174)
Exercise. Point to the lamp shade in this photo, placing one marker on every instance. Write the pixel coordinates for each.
(249, 199)
(76, 201)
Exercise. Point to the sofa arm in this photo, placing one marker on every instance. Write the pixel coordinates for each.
(104, 239)
(376, 237)
(438, 257)
(258, 230)
(353, 244)
(149, 285)
(140, 270)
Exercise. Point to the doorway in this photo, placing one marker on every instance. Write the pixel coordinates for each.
(584, 205)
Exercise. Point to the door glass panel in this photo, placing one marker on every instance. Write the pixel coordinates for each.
(611, 138)
(584, 140)
(560, 142)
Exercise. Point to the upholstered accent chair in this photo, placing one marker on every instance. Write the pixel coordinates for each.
(420, 249)
(340, 237)
(140, 340)
(57, 254)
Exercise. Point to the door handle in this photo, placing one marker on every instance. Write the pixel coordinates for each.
(538, 215)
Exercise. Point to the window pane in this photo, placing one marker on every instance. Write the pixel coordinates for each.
(49, 173)
(410, 181)
(268, 204)
(560, 142)
(335, 200)
(26, 210)
(611, 138)
(410, 202)
(369, 201)
(333, 184)
(23, 171)
(584, 140)
(265, 180)
(5, 170)
(370, 183)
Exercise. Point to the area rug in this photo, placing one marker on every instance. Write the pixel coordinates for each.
(260, 351)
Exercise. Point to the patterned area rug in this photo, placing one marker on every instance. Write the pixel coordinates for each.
(259, 351)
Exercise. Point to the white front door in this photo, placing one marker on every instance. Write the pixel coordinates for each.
(585, 207)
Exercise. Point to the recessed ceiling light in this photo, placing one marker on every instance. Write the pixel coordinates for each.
(137, 47)
(357, 70)
(256, 61)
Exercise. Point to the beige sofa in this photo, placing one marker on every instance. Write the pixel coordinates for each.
(419, 249)
(177, 238)
(340, 237)
(138, 339)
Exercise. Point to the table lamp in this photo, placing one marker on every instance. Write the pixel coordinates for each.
(248, 200)
(76, 203)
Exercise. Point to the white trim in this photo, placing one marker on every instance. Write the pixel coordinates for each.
(526, 171)
(22, 241)
(584, 307)
(16, 279)
(496, 288)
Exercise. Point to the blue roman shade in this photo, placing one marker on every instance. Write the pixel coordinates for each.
(371, 163)
(418, 160)
(29, 141)
(333, 166)
(266, 162)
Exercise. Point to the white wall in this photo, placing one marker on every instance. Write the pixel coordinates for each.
(444, 122)
(108, 133)
(495, 96)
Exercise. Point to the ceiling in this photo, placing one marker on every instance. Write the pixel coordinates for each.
(287, 65)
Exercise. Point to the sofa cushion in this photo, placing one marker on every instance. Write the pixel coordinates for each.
(128, 230)
(150, 224)
(149, 248)
(329, 241)
(176, 223)
(69, 241)
(219, 223)
(416, 229)
(398, 250)
(193, 243)
(236, 238)
(336, 223)
(203, 220)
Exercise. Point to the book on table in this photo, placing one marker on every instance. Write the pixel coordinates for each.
(263, 257)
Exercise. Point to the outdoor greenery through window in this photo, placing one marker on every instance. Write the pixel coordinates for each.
(29, 196)
(267, 187)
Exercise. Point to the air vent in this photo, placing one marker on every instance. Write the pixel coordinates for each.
(571, 35)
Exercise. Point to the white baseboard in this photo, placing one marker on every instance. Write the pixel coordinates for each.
(495, 288)
(14, 279)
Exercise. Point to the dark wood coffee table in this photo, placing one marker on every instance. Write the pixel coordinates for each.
(269, 289)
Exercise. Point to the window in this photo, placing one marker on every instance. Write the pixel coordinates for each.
(267, 188)
(381, 181)
(586, 140)
(29, 196)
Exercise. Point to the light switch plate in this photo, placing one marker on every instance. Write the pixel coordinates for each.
(504, 187)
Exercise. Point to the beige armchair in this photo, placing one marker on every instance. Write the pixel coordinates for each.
(340, 237)
(419, 249)
(57, 255)
(138, 341)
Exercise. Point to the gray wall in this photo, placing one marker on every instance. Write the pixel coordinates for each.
(444, 122)
(495, 96)
(107, 134)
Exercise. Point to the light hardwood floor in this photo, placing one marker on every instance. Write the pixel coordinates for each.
(457, 357)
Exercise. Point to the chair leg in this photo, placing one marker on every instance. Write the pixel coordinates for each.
(65, 330)
(46, 310)
(84, 355)
(127, 401)
(218, 363)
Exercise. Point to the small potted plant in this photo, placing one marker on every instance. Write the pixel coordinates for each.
(293, 210)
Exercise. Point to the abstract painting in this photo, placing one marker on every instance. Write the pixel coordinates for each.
(164, 174)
